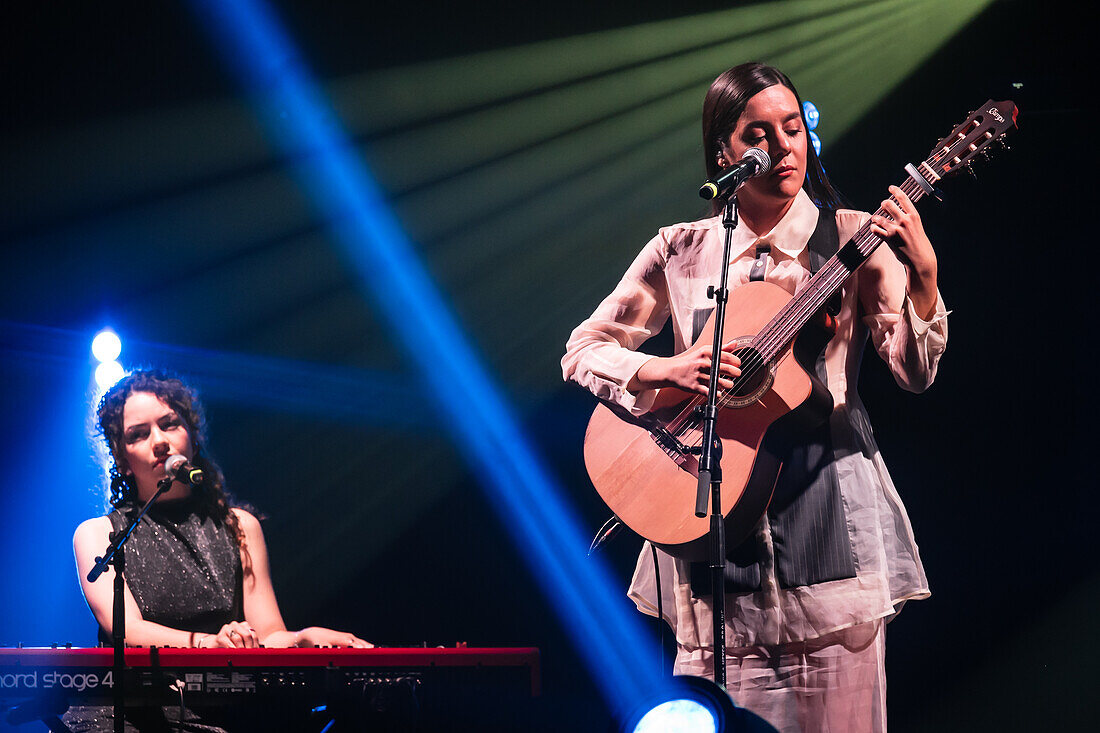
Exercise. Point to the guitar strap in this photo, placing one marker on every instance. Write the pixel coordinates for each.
(823, 244)
(806, 516)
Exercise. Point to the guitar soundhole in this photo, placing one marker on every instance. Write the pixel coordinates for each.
(756, 377)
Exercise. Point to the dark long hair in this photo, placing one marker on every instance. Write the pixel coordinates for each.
(726, 100)
(211, 493)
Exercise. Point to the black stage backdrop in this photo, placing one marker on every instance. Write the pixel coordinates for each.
(101, 226)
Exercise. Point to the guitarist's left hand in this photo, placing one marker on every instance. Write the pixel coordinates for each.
(904, 232)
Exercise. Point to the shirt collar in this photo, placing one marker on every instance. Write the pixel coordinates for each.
(789, 236)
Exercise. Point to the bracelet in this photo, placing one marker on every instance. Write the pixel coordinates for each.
(197, 643)
(297, 639)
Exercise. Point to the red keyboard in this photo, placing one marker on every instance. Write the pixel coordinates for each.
(86, 674)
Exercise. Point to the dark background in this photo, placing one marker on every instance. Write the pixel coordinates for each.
(369, 534)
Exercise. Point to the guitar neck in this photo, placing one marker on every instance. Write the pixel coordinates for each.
(781, 331)
(971, 139)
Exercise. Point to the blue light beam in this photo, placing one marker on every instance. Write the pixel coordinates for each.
(608, 634)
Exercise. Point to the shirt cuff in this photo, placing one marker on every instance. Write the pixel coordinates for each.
(921, 326)
(636, 403)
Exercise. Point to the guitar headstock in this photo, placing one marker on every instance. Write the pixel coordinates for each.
(982, 129)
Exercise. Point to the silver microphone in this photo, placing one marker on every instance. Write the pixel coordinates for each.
(179, 468)
(755, 162)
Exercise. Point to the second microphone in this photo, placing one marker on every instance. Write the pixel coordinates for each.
(179, 468)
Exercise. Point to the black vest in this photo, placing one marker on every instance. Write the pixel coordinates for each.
(806, 514)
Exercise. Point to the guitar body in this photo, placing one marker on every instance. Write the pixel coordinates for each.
(651, 486)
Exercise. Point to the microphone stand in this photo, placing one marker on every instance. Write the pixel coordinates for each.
(115, 554)
(710, 459)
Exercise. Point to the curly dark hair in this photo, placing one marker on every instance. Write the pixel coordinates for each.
(727, 98)
(211, 493)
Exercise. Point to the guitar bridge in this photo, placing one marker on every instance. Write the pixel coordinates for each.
(671, 445)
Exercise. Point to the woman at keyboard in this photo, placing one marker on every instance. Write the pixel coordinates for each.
(197, 571)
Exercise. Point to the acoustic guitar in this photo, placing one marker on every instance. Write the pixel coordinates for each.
(646, 467)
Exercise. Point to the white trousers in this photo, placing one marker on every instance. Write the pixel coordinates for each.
(833, 684)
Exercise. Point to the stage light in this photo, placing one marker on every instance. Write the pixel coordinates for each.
(106, 346)
(610, 636)
(107, 373)
(678, 716)
(695, 705)
(547, 107)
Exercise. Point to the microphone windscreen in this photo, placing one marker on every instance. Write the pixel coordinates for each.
(760, 157)
(172, 465)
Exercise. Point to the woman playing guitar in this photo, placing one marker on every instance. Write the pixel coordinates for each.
(833, 558)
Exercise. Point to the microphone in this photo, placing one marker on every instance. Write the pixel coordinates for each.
(180, 469)
(755, 162)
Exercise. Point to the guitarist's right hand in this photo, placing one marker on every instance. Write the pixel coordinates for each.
(689, 370)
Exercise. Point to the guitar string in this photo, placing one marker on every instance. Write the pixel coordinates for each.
(777, 335)
(774, 336)
(765, 341)
(836, 273)
(809, 301)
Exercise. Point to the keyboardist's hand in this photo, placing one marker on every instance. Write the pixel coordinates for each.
(235, 635)
(319, 636)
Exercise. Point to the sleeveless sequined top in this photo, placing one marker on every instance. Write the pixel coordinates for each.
(182, 567)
